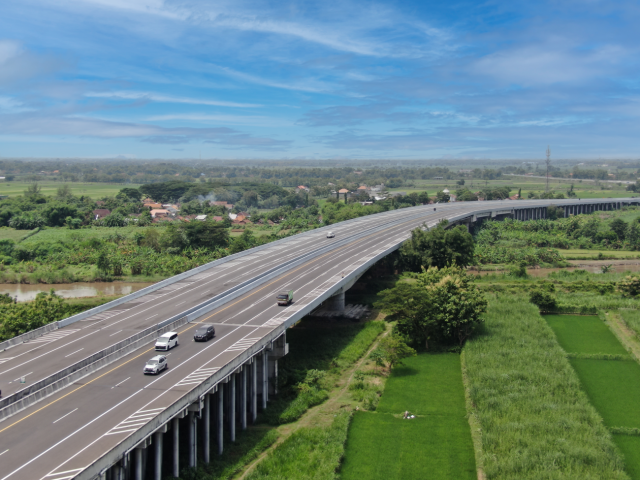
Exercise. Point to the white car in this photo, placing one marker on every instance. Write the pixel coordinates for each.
(156, 365)
(167, 341)
(331, 235)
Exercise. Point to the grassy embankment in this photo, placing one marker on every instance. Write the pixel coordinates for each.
(612, 384)
(535, 420)
(436, 444)
(313, 445)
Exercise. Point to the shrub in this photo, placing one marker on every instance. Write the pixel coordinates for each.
(543, 300)
(630, 286)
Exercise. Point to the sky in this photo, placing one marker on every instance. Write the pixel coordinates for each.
(317, 80)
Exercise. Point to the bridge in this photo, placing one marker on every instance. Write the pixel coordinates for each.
(76, 404)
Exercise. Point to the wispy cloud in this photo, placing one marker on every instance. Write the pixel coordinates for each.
(155, 97)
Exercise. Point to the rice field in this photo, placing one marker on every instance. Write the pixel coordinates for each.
(536, 420)
(613, 386)
(436, 444)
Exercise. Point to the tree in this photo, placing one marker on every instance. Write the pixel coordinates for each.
(32, 190)
(104, 262)
(378, 358)
(553, 212)
(128, 192)
(437, 248)
(250, 198)
(395, 350)
(114, 220)
(619, 227)
(543, 300)
(207, 234)
(63, 192)
(423, 198)
(441, 303)
(442, 197)
(629, 286)
(633, 235)
(56, 213)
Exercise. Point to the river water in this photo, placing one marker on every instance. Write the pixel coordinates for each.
(27, 293)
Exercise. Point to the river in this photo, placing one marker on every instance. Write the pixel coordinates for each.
(26, 293)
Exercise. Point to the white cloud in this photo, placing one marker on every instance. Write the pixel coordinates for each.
(310, 85)
(155, 97)
(256, 120)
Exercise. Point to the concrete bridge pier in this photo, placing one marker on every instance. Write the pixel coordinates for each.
(193, 439)
(140, 459)
(265, 378)
(231, 408)
(175, 427)
(243, 398)
(206, 428)
(158, 437)
(254, 389)
(220, 419)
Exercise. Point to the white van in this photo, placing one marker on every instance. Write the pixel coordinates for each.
(167, 341)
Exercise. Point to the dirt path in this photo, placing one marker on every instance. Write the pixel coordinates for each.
(474, 422)
(322, 414)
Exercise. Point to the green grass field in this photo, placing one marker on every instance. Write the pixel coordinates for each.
(613, 386)
(381, 446)
(93, 190)
(425, 385)
(436, 444)
(630, 447)
(584, 334)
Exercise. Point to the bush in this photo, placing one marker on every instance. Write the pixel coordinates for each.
(630, 286)
(543, 300)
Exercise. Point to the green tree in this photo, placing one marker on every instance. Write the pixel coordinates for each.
(128, 192)
(442, 197)
(104, 262)
(629, 286)
(619, 227)
(206, 234)
(56, 213)
(545, 301)
(32, 190)
(553, 212)
(64, 191)
(633, 235)
(437, 248)
(440, 303)
(395, 350)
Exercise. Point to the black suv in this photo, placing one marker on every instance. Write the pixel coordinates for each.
(204, 333)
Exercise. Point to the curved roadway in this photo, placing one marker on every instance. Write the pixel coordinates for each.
(59, 437)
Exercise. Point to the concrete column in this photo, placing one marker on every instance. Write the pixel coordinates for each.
(254, 390)
(232, 407)
(138, 463)
(220, 422)
(118, 472)
(157, 440)
(273, 376)
(206, 428)
(265, 379)
(243, 398)
(176, 447)
(336, 303)
(193, 440)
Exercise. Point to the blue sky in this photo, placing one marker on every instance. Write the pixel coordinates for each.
(306, 79)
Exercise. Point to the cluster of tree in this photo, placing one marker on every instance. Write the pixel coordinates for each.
(580, 231)
(438, 247)
(18, 318)
(438, 305)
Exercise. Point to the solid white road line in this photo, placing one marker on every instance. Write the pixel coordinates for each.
(115, 333)
(65, 415)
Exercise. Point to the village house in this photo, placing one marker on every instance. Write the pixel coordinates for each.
(100, 213)
(159, 212)
(302, 188)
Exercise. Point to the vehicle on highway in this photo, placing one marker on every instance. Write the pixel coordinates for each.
(156, 365)
(285, 298)
(167, 341)
(331, 235)
(204, 333)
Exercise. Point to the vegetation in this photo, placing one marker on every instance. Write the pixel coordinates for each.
(442, 304)
(436, 444)
(525, 393)
(437, 248)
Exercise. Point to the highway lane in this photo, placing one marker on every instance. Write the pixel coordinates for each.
(70, 429)
(96, 408)
(54, 351)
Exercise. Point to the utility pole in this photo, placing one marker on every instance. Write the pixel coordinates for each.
(548, 162)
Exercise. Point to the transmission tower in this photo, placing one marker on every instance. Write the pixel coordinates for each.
(548, 162)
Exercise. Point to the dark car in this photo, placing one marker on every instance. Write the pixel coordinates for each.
(204, 333)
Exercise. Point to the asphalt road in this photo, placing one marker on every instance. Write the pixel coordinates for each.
(60, 436)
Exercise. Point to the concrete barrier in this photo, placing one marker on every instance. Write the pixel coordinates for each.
(49, 385)
(62, 380)
(38, 332)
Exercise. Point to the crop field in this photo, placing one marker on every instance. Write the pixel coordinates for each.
(93, 190)
(436, 444)
(382, 446)
(584, 334)
(536, 420)
(613, 386)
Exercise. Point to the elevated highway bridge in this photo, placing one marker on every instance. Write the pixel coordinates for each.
(76, 405)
